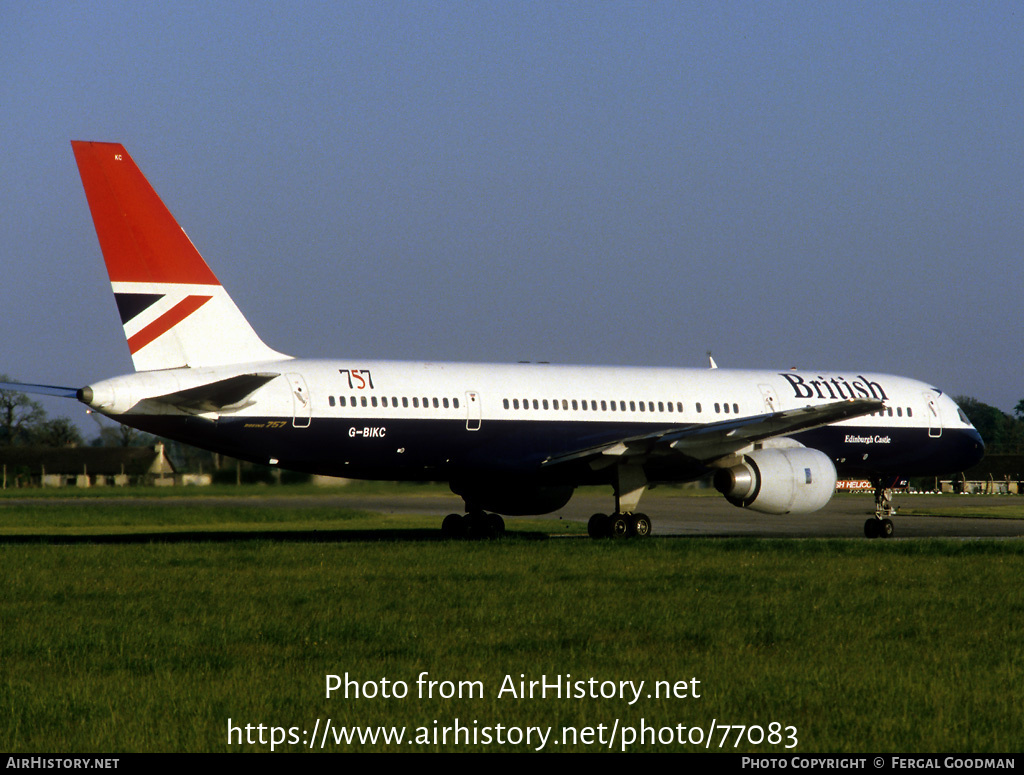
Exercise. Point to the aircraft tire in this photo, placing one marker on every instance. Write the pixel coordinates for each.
(871, 528)
(453, 526)
(886, 528)
(641, 526)
(620, 526)
(598, 526)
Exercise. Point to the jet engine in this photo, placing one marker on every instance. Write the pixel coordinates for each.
(779, 481)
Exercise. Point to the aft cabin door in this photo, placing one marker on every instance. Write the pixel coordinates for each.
(472, 410)
(302, 406)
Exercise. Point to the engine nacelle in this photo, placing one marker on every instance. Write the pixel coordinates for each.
(779, 481)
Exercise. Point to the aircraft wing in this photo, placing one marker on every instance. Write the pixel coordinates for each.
(709, 442)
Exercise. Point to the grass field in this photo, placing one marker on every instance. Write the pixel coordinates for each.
(857, 645)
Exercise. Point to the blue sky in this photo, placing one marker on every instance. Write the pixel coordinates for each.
(826, 185)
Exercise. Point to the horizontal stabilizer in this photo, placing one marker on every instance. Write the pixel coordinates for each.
(217, 396)
(43, 390)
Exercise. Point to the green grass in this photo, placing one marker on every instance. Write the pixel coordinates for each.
(138, 518)
(1010, 507)
(353, 487)
(862, 646)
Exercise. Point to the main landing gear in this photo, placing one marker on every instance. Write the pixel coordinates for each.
(475, 524)
(619, 525)
(630, 483)
(880, 525)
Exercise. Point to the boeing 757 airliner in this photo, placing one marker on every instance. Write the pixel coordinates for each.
(511, 439)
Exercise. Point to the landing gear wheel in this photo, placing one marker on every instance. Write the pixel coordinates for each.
(453, 526)
(641, 525)
(495, 526)
(620, 526)
(872, 528)
(885, 528)
(598, 526)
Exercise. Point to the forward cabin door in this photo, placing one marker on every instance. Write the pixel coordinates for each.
(934, 416)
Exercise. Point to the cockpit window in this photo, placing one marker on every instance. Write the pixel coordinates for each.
(963, 417)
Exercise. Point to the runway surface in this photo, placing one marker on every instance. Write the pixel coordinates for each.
(671, 514)
(681, 515)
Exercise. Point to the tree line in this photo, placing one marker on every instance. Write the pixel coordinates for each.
(1002, 433)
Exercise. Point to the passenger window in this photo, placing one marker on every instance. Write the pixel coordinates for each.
(455, 403)
(545, 403)
(735, 408)
(435, 403)
(405, 401)
(330, 400)
(536, 404)
(698, 407)
(444, 402)
(364, 401)
(574, 406)
(373, 401)
(717, 409)
(416, 402)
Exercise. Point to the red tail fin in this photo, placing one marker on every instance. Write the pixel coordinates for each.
(174, 310)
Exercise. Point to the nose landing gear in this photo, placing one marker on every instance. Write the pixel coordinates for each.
(880, 525)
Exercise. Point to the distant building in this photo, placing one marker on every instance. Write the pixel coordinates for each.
(85, 466)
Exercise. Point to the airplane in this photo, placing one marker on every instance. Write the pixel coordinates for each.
(510, 439)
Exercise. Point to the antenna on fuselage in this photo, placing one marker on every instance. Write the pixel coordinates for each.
(712, 364)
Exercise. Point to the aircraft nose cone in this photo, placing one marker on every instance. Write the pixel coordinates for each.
(976, 452)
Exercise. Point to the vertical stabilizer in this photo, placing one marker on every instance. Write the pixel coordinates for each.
(174, 310)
